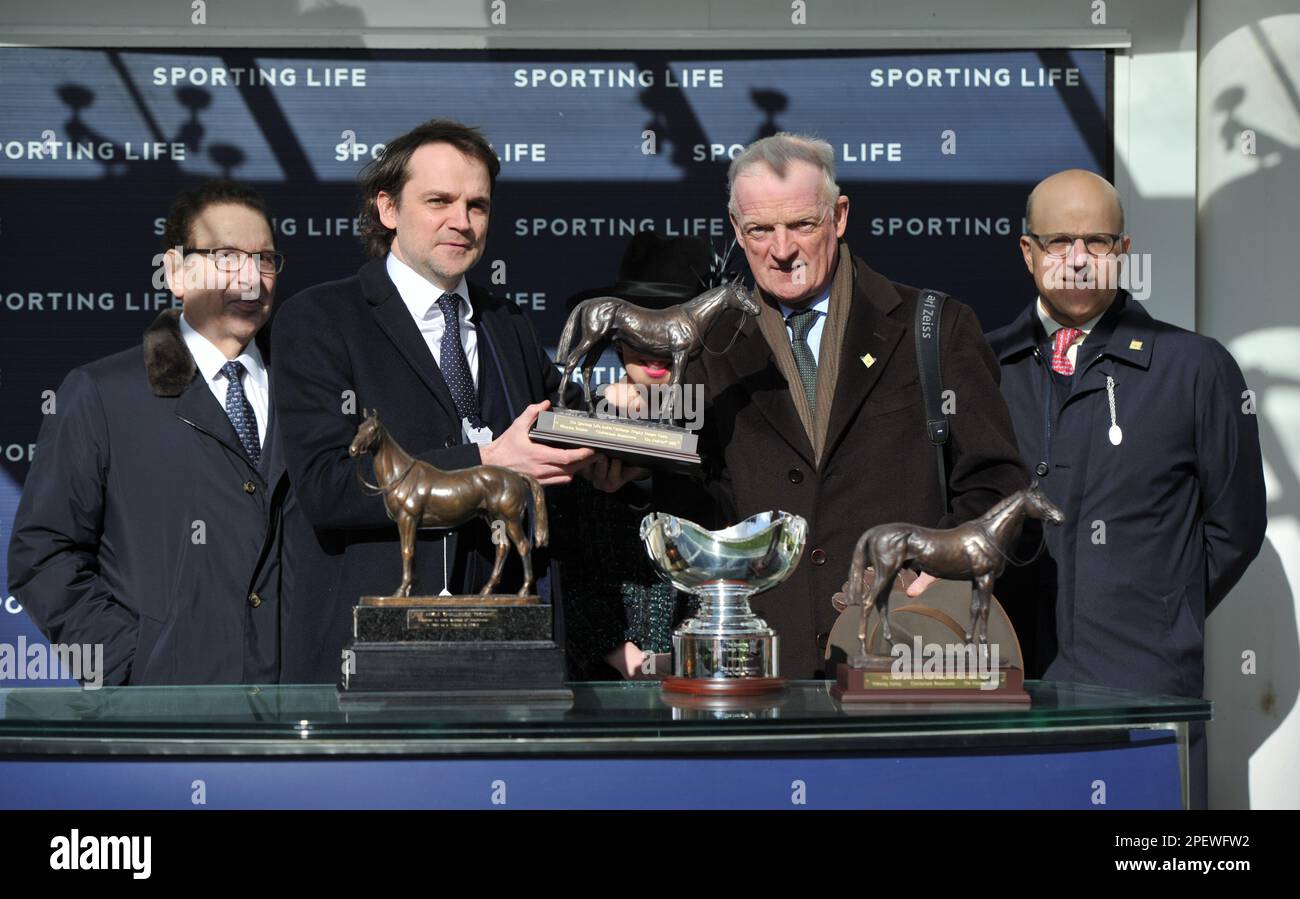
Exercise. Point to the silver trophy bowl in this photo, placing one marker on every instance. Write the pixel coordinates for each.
(725, 643)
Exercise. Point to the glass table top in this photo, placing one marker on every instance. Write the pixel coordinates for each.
(243, 718)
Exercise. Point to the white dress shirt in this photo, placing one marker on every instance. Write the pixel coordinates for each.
(421, 299)
(822, 305)
(1051, 326)
(256, 380)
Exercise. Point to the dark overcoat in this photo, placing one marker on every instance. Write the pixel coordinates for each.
(1160, 525)
(144, 526)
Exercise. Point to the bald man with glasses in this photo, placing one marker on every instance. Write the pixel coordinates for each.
(1144, 434)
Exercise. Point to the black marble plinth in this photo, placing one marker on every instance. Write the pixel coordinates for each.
(491, 671)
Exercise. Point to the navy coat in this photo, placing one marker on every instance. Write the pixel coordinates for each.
(1159, 527)
(350, 345)
(143, 526)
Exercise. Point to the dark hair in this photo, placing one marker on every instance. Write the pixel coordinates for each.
(189, 204)
(389, 173)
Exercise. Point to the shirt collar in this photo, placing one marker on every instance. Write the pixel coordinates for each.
(822, 305)
(1051, 325)
(420, 295)
(209, 360)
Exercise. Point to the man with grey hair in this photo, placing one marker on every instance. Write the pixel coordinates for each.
(818, 409)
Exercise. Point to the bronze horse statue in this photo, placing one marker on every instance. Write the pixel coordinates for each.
(418, 495)
(976, 551)
(674, 333)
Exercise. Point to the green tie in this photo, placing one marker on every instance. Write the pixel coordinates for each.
(801, 323)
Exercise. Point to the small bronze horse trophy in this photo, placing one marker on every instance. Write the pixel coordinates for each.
(976, 551)
(674, 333)
(478, 648)
(417, 495)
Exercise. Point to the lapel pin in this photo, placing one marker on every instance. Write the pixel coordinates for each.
(1135, 344)
(868, 360)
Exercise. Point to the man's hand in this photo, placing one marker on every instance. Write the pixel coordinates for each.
(611, 475)
(922, 582)
(913, 584)
(627, 659)
(515, 450)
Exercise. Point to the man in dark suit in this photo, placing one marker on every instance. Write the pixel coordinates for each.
(457, 376)
(1145, 435)
(151, 517)
(818, 409)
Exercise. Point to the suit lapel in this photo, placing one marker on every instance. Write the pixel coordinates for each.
(499, 343)
(1124, 342)
(754, 365)
(273, 464)
(198, 407)
(773, 327)
(870, 339)
(171, 372)
(394, 319)
(828, 368)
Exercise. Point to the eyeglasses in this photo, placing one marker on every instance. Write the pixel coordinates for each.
(230, 259)
(1060, 244)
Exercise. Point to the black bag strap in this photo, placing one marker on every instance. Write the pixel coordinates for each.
(929, 311)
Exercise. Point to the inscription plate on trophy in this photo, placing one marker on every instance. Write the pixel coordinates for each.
(639, 442)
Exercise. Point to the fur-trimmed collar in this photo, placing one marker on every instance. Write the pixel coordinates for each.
(167, 360)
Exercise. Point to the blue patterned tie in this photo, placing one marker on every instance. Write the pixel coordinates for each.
(452, 361)
(240, 411)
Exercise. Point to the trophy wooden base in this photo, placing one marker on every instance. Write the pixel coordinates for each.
(723, 686)
(643, 443)
(876, 683)
(693, 707)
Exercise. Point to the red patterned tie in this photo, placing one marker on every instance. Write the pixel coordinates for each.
(1061, 341)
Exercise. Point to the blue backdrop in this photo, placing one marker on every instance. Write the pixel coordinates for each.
(936, 151)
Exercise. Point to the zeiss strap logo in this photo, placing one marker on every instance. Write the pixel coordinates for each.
(928, 303)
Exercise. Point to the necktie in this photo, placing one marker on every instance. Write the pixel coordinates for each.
(452, 361)
(240, 411)
(801, 323)
(1061, 342)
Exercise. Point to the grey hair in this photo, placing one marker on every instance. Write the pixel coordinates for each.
(777, 152)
